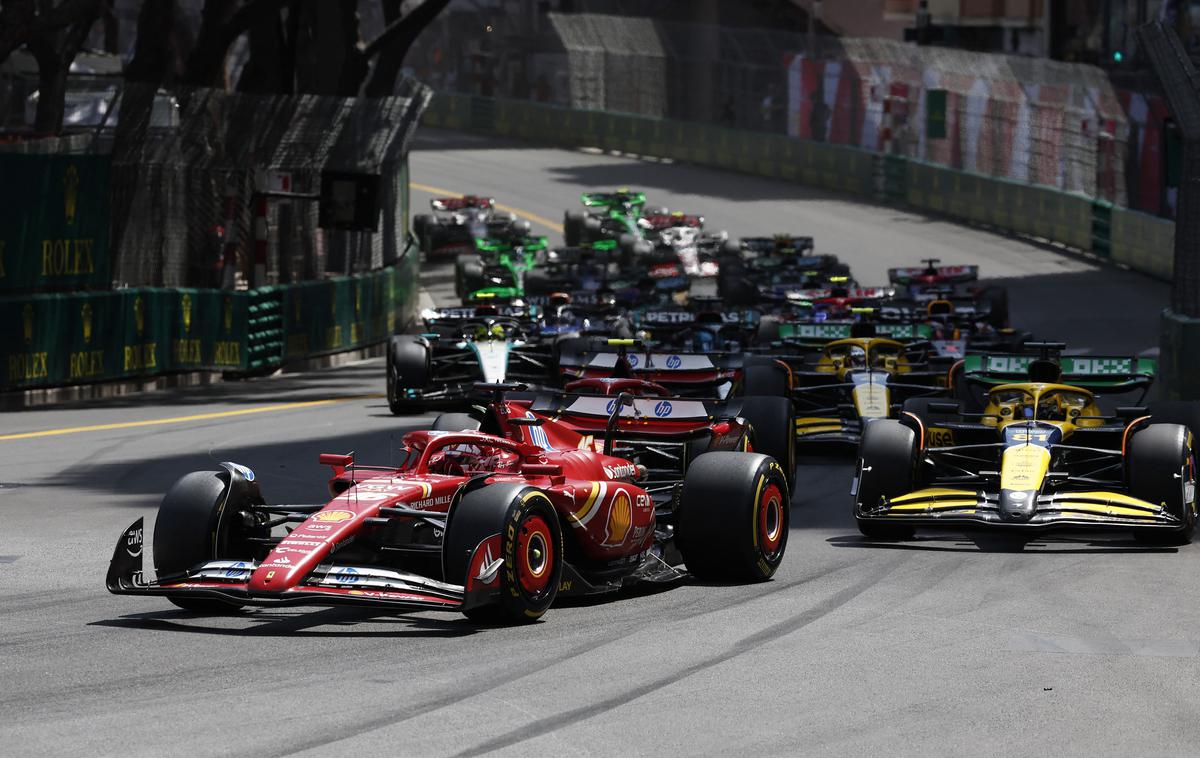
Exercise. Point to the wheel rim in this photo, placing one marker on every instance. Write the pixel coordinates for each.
(535, 556)
(772, 522)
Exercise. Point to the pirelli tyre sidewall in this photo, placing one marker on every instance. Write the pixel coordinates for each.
(198, 520)
(773, 430)
(407, 368)
(531, 545)
(733, 518)
(886, 467)
(1161, 470)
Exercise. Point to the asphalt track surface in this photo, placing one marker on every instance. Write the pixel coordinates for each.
(943, 645)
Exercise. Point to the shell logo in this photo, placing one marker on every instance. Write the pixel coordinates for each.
(620, 518)
(333, 517)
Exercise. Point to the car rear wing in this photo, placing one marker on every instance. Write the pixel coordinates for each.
(821, 333)
(526, 244)
(679, 318)
(473, 313)
(613, 199)
(943, 274)
(446, 204)
(1093, 372)
(789, 244)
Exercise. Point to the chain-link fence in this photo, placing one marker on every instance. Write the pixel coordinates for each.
(186, 165)
(1027, 119)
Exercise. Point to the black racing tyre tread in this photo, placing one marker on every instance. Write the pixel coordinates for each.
(764, 376)
(484, 512)
(407, 367)
(185, 533)
(468, 275)
(718, 521)
(1186, 412)
(1158, 455)
(768, 331)
(773, 425)
(889, 449)
(572, 228)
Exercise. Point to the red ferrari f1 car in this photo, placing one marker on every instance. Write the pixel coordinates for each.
(493, 525)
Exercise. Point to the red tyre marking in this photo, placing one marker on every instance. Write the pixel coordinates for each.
(535, 555)
(771, 519)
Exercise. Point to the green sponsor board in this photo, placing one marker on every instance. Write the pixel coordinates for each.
(208, 330)
(55, 234)
(347, 312)
(1097, 368)
(845, 330)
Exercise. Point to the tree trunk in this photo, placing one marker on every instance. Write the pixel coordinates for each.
(263, 71)
(112, 28)
(327, 48)
(152, 53)
(206, 64)
(393, 44)
(54, 52)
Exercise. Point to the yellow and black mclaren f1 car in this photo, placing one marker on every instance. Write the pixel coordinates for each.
(851, 377)
(1041, 455)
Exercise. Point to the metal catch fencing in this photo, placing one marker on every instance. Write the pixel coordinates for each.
(189, 167)
(1029, 120)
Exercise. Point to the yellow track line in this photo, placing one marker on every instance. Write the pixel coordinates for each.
(184, 419)
(535, 218)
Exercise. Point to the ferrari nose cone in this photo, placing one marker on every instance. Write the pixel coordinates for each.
(1017, 505)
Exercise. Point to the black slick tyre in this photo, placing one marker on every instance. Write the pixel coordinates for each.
(773, 430)
(733, 517)
(886, 460)
(468, 274)
(764, 376)
(407, 368)
(997, 299)
(531, 544)
(1161, 470)
(197, 523)
(572, 228)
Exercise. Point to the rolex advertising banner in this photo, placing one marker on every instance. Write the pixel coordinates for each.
(208, 330)
(82, 337)
(340, 314)
(55, 236)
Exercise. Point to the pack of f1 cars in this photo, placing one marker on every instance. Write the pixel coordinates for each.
(608, 215)
(856, 376)
(498, 267)
(496, 526)
(457, 222)
(1040, 454)
(464, 345)
(958, 285)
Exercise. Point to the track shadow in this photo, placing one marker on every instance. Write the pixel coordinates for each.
(270, 623)
(287, 470)
(996, 543)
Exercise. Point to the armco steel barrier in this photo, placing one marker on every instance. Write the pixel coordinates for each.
(1140, 241)
(83, 337)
